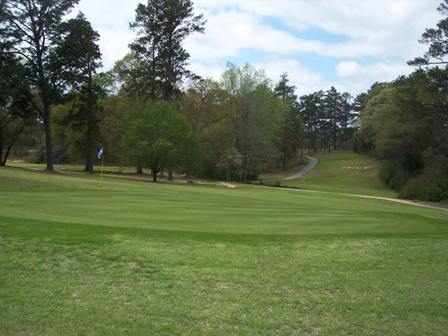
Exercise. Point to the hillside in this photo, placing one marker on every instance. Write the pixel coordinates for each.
(344, 172)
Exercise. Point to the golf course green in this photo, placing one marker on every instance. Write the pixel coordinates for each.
(85, 255)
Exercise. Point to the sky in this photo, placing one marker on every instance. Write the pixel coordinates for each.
(349, 44)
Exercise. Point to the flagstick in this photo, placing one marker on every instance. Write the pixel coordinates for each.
(102, 172)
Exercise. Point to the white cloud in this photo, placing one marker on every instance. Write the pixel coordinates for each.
(347, 69)
(383, 33)
(366, 75)
(111, 19)
(305, 80)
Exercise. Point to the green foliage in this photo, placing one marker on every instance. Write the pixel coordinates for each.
(329, 120)
(16, 111)
(432, 185)
(393, 175)
(406, 123)
(155, 135)
(33, 31)
(291, 128)
(162, 27)
(231, 163)
(255, 118)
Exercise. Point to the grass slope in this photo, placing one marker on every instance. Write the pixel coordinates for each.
(79, 256)
(344, 172)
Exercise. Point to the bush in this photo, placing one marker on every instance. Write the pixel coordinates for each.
(429, 187)
(393, 176)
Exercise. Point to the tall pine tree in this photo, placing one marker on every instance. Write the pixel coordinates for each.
(162, 27)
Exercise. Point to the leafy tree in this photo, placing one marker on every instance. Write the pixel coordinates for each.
(154, 135)
(255, 117)
(112, 112)
(16, 112)
(129, 75)
(79, 52)
(32, 30)
(162, 27)
(231, 163)
(204, 104)
(407, 123)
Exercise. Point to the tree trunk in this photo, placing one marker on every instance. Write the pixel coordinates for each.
(140, 170)
(89, 147)
(285, 135)
(170, 173)
(154, 175)
(334, 139)
(48, 137)
(1, 148)
(5, 158)
(301, 151)
(90, 126)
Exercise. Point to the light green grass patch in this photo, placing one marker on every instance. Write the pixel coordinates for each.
(344, 172)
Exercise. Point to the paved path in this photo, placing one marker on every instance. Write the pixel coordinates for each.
(305, 170)
(395, 200)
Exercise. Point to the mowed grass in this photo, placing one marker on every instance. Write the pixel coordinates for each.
(77, 168)
(344, 172)
(81, 256)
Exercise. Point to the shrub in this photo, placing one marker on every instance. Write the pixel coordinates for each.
(428, 187)
(393, 176)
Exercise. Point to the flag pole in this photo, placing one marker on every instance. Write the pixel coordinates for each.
(102, 172)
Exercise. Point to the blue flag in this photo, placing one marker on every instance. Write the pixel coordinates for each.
(101, 153)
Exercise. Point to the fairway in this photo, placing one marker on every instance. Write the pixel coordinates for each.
(85, 256)
(344, 172)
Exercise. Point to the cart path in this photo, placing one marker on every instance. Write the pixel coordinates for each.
(305, 170)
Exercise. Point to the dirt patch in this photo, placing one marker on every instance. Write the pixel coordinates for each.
(227, 185)
(133, 265)
(357, 168)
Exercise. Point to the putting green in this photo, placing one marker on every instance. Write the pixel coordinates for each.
(82, 256)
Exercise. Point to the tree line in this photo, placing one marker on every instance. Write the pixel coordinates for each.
(150, 111)
(405, 122)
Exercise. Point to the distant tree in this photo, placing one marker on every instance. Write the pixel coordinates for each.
(365, 135)
(231, 163)
(32, 29)
(437, 39)
(130, 74)
(338, 116)
(312, 109)
(254, 117)
(155, 134)
(162, 27)
(407, 124)
(291, 128)
(80, 54)
(112, 112)
(204, 104)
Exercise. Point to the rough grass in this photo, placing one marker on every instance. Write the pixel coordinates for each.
(85, 257)
(344, 172)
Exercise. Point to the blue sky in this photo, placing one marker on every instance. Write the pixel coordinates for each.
(349, 44)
